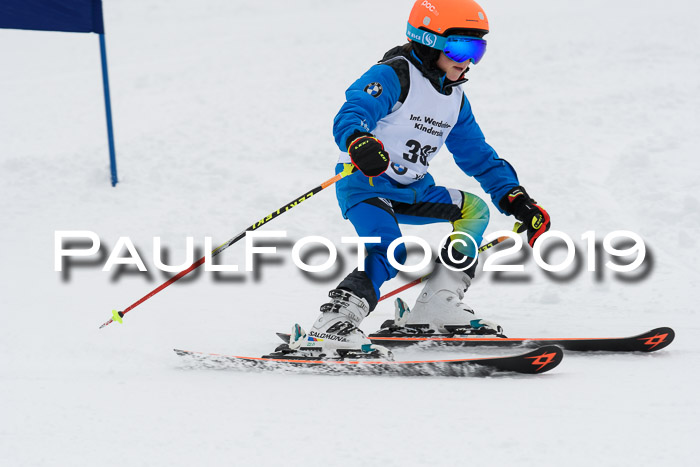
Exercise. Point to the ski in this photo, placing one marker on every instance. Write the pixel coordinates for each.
(650, 341)
(536, 361)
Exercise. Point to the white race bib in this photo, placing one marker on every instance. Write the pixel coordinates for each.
(415, 132)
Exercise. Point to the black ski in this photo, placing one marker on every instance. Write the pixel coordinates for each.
(650, 341)
(536, 361)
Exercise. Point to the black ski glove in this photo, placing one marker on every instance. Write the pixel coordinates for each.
(367, 154)
(535, 219)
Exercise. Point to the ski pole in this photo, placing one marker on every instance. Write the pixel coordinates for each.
(118, 315)
(421, 279)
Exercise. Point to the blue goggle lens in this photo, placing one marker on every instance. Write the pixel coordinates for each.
(461, 48)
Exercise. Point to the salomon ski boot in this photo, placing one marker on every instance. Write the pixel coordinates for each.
(439, 308)
(336, 330)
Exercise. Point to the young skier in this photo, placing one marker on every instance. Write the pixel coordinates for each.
(395, 119)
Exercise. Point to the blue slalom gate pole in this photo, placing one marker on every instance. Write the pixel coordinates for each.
(108, 110)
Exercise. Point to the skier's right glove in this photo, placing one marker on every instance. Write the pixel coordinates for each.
(535, 220)
(367, 154)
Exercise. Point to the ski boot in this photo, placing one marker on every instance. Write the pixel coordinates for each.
(336, 332)
(439, 308)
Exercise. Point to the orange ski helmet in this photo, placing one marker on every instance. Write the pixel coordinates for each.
(441, 16)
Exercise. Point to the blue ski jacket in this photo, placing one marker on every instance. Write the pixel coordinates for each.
(466, 141)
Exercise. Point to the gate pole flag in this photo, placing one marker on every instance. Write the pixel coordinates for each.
(66, 16)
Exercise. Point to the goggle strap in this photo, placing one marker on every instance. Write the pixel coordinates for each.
(425, 37)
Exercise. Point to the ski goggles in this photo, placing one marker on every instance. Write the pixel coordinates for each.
(456, 48)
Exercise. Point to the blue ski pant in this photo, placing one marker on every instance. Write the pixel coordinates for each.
(378, 217)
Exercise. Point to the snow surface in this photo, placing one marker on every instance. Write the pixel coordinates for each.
(222, 114)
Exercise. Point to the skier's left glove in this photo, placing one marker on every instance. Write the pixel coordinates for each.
(535, 220)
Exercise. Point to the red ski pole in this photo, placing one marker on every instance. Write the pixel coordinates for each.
(118, 315)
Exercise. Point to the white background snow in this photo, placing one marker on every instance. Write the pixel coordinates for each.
(223, 113)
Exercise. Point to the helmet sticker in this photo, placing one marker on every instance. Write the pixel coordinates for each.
(374, 89)
(430, 7)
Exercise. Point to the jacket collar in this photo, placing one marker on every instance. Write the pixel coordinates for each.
(427, 67)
